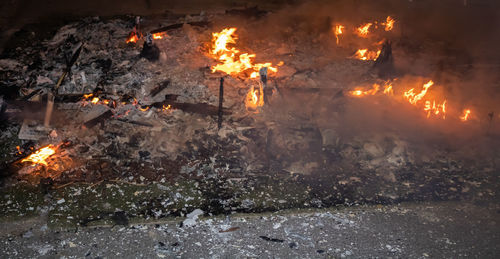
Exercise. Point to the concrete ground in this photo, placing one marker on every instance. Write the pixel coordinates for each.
(410, 230)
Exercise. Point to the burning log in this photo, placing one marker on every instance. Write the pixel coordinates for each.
(221, 100)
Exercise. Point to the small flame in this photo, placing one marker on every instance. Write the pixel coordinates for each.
(388, 88)
(166, 108)
(159, 35)
(255, 98)
(338, 31)
(40, 156)
(435, 109)
(361, 93)
(365, 54)
(132, 38)
(389, 24)
(143, 109)
(414, 98)
(363, 30)
(95, 100)
(465, 115)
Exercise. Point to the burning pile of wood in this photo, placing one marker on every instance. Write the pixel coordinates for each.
(130, 96)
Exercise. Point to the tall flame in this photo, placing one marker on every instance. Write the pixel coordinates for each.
(232, 61)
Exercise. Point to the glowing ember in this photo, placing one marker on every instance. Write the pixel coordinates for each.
(232, 61)
(95, 100)
(389, 24)
(465, 115)
(255, 98)
(143, 109)
(338, 31)
(363, 30)
(365, 54)
(40, 156)
(414, 98)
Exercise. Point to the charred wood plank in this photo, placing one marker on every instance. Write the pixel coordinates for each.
(159, 88)
(179, 25)
(99, 119)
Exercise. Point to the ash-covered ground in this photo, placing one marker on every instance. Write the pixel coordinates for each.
(130, 158)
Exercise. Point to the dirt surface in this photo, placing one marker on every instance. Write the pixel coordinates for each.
(421, 230)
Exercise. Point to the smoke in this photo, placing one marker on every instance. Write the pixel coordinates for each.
(452, 44)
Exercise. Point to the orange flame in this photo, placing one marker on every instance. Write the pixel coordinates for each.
(255, 98)
(414, 98)
(465, 115)
(132, 38)
(41, 155)
(143, 109)
(435, 109)
(365, 54)
(388, 88)
(363, 30)
(338, 31)
(361, 93)
(232, 61)
(159, 35)
(166, 108)
(389, 24)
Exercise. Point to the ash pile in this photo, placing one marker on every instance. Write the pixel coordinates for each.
(138, 100)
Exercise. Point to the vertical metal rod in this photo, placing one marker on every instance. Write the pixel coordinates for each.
(221, 100)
